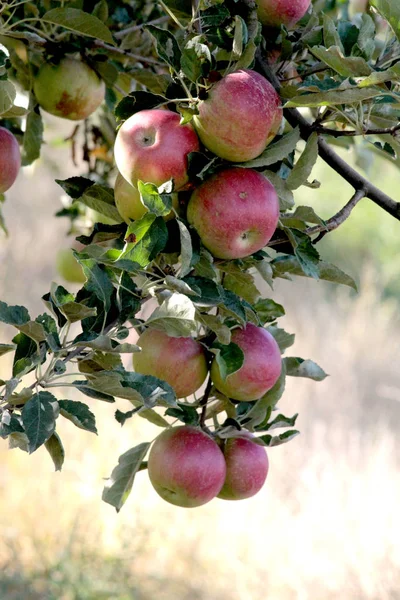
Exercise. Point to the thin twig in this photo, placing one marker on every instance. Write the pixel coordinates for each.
(296, 119)
(203, 402)
(124, 32)
(338, 219)
(352, 133)
(144, 59)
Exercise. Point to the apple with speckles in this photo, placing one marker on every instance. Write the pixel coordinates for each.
(10, 159)
(186, 467)
(70, 89)
(246, 468)
(235, 212)
(180, 361)
(240, 116)
(261, 366)
(274, 13)
(152, 146)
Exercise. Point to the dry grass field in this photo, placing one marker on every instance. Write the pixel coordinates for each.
(325, 527)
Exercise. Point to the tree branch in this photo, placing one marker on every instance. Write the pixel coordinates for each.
(203, 402)
(144, 59)
(296, 119)
(338, 219)
(352, 133)
(124, 32)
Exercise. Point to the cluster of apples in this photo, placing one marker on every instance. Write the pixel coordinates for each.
(235, 213)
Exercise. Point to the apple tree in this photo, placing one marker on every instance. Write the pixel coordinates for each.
(199, 122)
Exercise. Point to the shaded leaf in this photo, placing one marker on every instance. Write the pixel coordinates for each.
(56, 450)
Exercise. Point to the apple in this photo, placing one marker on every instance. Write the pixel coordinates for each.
(274, 13)
(241, 115)
(129, 204)
(261, 367)
(10, 159)
(186, 467)
(152, 146)
(180, 361)
(246, 468)
(68, 267)
(70, 89)
(235, 212)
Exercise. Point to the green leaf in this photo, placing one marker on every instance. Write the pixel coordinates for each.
(276, 440)
(33, 330)
(7, 95)
(215, 323)
(146, 238)
(4, 348)
(305, 164)
(101, 199)
(166, 46)
(390, 11)
(331, 36)
(137, 101)
(263, 406)
(333, 97)
(240, 282)
(196, 59)
(285, 194)
(268, 310)
(98, 282)
(298, 367)
(281, 421)
(146, 390)
(157, 204)
(38, 418)
(33, 136)
(305, 252)
(80, 22)
(76, 311)
(186, 255)
(276, 151)
(79, 414)
(56, 450)
(229, 358)
(75, 187)
(289, 265)
(283, 339)
(304, 214)
(120, 484)
(185, 414)
(345, 66)
(234, 306)
(13, 315)
(176, 315)
(101, 10)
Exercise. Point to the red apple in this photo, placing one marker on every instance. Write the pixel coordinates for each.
(235, 212)
(152, 146)
(275, 13)
(186, 467)
(261, 367)
(70, 89)
(246, 468)
(241, 115)
(10, 159)
(129, 204)
(180, 361)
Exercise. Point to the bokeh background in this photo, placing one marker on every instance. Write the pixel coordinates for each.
(325, 527)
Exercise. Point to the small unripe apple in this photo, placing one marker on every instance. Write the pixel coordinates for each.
(152, 146)
(235, 212)
(180, 361)
(68, 267)
(241, 115)
(246, 468)
(10, 159)
(274, 13)
(129, 204)
(186, 466)
(70, 89)
(261, 367)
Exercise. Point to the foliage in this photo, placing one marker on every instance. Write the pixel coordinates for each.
(342, 69)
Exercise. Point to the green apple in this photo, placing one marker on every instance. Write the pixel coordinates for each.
(68, 267)
(70, 89)
(129, 204)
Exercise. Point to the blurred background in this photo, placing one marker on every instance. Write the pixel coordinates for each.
(326, 525)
